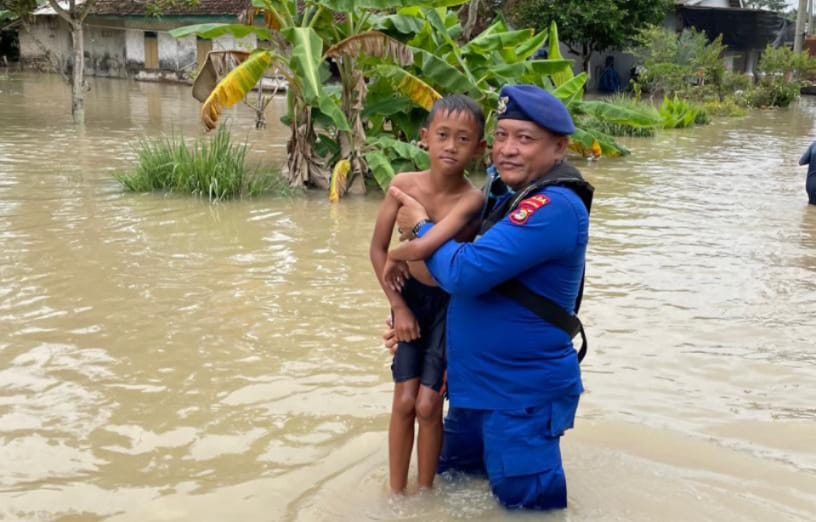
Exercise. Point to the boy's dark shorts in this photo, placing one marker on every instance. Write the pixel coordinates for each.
(423, 357)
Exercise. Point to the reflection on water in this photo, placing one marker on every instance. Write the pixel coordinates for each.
(162, 358)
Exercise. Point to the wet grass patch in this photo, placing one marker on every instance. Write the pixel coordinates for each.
(214, 167)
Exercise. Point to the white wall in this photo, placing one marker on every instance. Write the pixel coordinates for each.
(134, 49)
(47, 36)
(177, 54)
(105, 51)
(229, 43)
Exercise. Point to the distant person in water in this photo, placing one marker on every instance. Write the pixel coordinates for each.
(809, 158)
(610, 79)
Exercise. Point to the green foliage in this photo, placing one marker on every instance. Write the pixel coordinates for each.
(782, 73)
(620, 115)
(728, 107)
(776, 61)
(214, 167)
(773, 92)
(686, 64)
(678, 113)
(587, 27)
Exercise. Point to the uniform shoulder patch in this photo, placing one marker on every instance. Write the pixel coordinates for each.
(527, 208)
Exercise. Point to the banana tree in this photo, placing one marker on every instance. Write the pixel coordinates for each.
(297, 53)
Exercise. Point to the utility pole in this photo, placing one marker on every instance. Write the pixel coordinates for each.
(801, 14)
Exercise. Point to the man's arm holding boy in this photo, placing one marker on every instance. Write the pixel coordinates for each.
(462, 215)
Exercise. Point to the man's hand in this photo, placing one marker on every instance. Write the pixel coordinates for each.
(390, 336)
(410, 212)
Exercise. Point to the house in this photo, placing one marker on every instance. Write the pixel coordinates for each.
(746, 32)
(123, 40)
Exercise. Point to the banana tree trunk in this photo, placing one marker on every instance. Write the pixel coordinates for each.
(304, 169)
(351, 143)
(77, 90)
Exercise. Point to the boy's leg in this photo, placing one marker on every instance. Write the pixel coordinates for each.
(406, 370)
(429, 440)
(401, 433)
(429, 401)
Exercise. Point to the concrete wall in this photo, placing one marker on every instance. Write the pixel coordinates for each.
(105, 51)
(115, 47)
(134, 50)
(177, 54)
(46, 45)
(227, 43)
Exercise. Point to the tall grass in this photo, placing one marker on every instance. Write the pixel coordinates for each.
(214, 167)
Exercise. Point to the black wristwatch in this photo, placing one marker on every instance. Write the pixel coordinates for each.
(415, 230)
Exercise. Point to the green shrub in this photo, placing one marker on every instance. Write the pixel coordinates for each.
(728, 107)
(686, 63)
(733, 82)
(701, 116)
(678, 113)
(772, 92)
(213, 166)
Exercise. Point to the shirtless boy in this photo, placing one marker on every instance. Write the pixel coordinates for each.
(454, 136)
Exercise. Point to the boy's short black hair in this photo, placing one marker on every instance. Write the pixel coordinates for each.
(456, 103)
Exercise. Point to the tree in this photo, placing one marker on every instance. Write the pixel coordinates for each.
(587, 27)
(74, 13)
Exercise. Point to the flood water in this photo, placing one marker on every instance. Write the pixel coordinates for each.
(162, 358)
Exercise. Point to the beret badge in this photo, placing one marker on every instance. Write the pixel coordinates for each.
(502, 107)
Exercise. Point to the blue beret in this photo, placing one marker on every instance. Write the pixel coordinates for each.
(532, 103)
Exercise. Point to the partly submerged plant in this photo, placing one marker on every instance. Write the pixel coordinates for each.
(214, 167)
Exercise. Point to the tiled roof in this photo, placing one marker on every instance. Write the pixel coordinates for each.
(139, 8)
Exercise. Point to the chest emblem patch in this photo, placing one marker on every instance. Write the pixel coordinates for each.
(527, 208)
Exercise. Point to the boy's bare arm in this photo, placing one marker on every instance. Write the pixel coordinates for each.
(381, 240)
(458, 218)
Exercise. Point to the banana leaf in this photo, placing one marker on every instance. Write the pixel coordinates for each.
(339, 180)
(409, 85)
(380, 167)
(217, 65)
(306, 57)
(355, 6)
(441, 73)
(584, 140)
(235, 86)
(402, 23)
(374, 44)
(613, 113)
(529, 48)
(214, 30)
(555, 54)
(571, 90)
(485, 43)
(402, 149)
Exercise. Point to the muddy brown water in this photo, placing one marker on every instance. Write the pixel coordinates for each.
(162, 358)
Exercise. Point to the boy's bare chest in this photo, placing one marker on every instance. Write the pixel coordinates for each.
(437, 205)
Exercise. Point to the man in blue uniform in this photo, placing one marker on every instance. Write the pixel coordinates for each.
(513, 378)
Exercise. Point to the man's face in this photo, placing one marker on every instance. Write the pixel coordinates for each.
(523, 151)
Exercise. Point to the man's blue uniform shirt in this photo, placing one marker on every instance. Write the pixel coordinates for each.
(500, 354)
